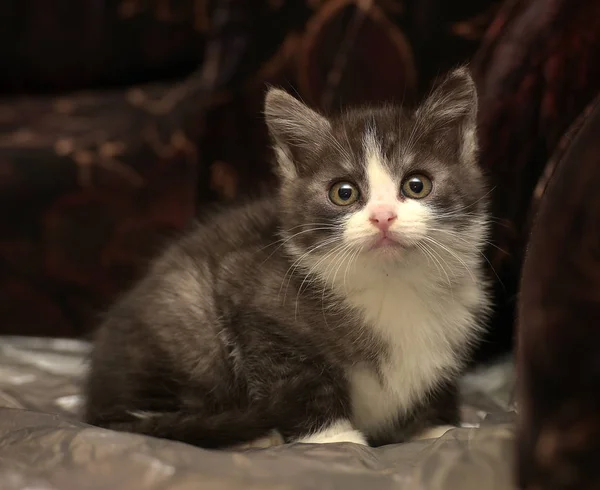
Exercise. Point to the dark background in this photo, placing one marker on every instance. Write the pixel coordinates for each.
(122, 119)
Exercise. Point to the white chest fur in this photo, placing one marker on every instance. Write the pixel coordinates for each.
(402, 297)
(422, 323)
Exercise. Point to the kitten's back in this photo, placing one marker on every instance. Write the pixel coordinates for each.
(171, 316)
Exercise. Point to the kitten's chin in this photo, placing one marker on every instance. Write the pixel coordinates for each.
(387, 247)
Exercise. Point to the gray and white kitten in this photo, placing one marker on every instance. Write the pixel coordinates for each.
(342, 308)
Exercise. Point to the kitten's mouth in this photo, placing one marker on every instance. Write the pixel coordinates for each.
(386, 242)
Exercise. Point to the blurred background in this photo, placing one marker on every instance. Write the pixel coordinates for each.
(122, 119)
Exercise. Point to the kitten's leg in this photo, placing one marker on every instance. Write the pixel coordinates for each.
(208, 430)
(340, 431)
(432, 420)
(441, 416)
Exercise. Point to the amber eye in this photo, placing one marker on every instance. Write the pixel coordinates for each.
(343, 194)
(417, 186)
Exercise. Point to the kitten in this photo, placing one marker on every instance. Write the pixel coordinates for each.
(340, 309)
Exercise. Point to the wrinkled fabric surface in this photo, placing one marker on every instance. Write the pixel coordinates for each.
(44, 446)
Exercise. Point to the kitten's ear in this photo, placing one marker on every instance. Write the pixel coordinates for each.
(451, 113)
(295, 128)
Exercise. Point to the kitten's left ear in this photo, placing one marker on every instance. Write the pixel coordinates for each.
(295, 128)
(451, 112)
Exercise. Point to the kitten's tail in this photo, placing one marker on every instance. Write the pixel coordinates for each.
(220, 430)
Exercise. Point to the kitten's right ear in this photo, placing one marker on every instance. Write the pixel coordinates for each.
(295, 128)
(451, 111)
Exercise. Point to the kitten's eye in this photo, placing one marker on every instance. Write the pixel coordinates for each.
(343, 194)
(417, 186)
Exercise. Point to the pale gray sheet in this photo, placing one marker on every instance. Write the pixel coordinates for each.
(44, 447)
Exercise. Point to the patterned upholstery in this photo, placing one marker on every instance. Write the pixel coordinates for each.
(99, 172)
(95, 179)
(91, 183)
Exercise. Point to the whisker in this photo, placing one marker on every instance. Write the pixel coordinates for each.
(343, 256)
(458, 236)
(283, 241)
(315, 266)
(455, 255)
(436, 257)
(331, 225)
(463, 208)
(349, 264)
(299, 260)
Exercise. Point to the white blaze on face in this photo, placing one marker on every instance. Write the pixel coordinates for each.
(383, 192)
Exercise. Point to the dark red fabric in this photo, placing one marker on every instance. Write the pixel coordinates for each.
(96, 180)
(537, 69)
(91, 184)
(559, 323)
(72, 44)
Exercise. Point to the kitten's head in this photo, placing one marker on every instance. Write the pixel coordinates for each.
(381, 181)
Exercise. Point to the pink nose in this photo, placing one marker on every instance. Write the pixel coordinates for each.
(383, 218)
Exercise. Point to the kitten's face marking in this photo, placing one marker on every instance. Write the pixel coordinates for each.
(381, 182)
(387, 220)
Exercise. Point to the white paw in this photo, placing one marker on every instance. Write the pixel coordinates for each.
(339, 432)
(353, 436)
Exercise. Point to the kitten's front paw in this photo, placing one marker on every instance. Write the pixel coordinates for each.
(353, 436)
(338, 432)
